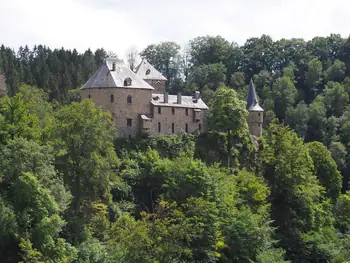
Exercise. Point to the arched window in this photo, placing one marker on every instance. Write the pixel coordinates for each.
(129, 99)
(112, 98)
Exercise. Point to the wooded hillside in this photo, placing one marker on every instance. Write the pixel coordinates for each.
(70, 192)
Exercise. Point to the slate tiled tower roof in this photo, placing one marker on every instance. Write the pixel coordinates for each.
(148, 72)
(115, 74)
(252, 100)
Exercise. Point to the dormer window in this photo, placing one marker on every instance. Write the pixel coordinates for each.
(113, 67)
(127, 82)
(148, 71)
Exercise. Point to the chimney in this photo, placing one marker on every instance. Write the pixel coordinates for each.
(197, 94)
(166, 97)
(179, 98)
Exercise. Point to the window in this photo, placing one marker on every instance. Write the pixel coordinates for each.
(129, 136)
(159, 110)
(148, 71)
(186, 112)
(112, 98)
(129, 122)
(173, 127)
(200, 127)
(113, 66)
(159, 127)
(173, 110)
(259, 114)
(129, 99)
(89, 96)
(127, 82)
(186, 127)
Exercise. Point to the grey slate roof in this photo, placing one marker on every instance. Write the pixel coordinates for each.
(104, 77)
(186, 102)
(252, 100)
(147, 71)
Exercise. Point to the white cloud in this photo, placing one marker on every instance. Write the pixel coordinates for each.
(119, 24)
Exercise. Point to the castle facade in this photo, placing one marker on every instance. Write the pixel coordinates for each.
(139, 102)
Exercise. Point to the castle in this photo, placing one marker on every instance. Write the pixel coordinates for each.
(139, 102)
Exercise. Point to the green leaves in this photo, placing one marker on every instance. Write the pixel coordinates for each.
(325, 169)
(16, 120)
(84, 138)
(227, 112)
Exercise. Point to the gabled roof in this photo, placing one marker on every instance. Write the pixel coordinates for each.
(106, 77)
(186, 102)
(252, 100)
(147, 71)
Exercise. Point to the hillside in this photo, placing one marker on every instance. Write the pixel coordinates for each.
(71, 192)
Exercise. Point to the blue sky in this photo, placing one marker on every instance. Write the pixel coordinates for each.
(119, 25)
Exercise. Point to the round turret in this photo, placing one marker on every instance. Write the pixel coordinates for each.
(255, 117)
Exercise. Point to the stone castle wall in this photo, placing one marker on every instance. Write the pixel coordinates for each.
(158, 85)
(255, 123)
(120, 108)
(176, 117)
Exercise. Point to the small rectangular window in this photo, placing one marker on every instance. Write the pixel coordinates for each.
(186, 112)
(173, 110)
(159, 110)
(89, 96)
(186, 127)
(129, 122)
(159, 127)
(199, 126)
(173, 127)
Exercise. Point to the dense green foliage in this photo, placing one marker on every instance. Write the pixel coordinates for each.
(72, 193)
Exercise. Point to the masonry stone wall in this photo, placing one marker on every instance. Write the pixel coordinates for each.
(158, 85)
(176, 116)
(255, 123)
(120, 108)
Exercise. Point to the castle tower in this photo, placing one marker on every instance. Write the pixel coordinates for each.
(255, 117)
(152, 76)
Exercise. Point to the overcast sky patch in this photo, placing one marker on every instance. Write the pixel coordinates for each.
(117, 25)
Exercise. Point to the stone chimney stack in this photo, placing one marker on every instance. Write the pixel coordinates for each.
(166, 97)
(197, 95)
(179, 97)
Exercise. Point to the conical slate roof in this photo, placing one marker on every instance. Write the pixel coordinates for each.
(146, 71)
(252, 100)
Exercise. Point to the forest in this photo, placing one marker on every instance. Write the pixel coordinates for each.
(70, 192)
